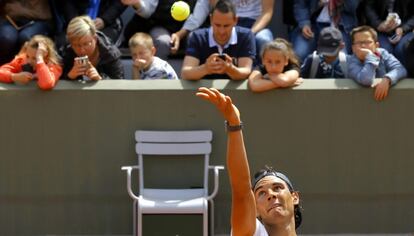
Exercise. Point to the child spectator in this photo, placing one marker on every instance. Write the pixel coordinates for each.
(328, 61)
(145, 64)
(370, 62)
(279, 69)
(37, 59)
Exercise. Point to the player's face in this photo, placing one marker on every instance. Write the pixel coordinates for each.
(274, 201)
(222, 24)
(274, 61)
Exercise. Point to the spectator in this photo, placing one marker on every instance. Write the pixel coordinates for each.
(314, 15)
(255, 15)
(37, 59)
(409, 55)
(328, 61)
(103, 57)
(394, 22)
(154, 17)
(280, 67)
(223, 51)
(145, 64)
(268, 206)
(370, 62)
(19, 22)
(106, 15)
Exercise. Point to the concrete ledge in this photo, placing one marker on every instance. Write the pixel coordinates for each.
(61, 152)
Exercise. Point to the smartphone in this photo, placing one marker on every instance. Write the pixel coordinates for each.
(82, 60)
(393, 37)
(222, 56)
(27, 68)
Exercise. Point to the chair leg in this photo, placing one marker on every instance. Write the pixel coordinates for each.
(205, 222)
(134, 218)
(139, 222)
(211, 218)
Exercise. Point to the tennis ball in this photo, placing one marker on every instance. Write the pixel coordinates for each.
(180, 10)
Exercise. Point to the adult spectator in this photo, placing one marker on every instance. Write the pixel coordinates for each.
(269, 205)
(106, 15)
(154, 17)
(19, 22)
(103, 57)
(394, 22)
(255, 15)
(314, 15)
(37, 60)
(223, 51)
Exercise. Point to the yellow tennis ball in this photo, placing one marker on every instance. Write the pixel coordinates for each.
(180, 10)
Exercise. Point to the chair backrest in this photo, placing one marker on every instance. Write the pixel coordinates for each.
(167, 144)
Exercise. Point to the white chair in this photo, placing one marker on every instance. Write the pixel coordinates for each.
(165, 144)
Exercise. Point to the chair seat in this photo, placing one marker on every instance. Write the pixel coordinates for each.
(173, 201)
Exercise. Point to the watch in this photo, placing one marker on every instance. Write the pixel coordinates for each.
(232, 128)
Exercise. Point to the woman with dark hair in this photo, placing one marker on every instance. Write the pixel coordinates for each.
(268, 207)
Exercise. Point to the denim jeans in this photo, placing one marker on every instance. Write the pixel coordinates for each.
(263, 36)
(12, 39)
(396, 49)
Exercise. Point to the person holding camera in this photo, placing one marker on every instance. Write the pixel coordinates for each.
(223, 51)
(37, 60)
(394, 22)
(91, 55)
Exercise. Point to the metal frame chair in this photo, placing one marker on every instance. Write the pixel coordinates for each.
(173, 201)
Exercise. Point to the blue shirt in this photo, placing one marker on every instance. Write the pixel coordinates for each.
(384, 65)
(240, 44)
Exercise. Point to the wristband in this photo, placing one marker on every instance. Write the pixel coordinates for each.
(232, 128)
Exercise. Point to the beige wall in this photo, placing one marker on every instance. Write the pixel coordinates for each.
(61, 152)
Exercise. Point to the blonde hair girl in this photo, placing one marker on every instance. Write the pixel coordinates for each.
(37, 59)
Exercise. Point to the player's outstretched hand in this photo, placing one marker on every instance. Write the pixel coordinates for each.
(223, 103)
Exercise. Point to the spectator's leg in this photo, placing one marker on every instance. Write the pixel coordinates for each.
(162, 39)
(113, 31)
(262, 37)
(401, 47)
(348, 42)
(385, 43)
(8, 39)
(301, 45)
(39, 27)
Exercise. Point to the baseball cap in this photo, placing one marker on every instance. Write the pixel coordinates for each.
(271, 172)
(329, 41)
